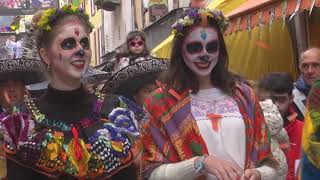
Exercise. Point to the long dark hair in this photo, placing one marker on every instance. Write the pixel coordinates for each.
(180, 77)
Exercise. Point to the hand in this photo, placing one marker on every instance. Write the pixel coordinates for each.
(222, 169)
(251, 174)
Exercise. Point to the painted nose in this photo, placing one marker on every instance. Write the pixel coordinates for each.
(204, 58)
(81, 53)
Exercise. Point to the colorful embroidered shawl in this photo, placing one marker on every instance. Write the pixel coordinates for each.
(94, 147)
(311, 136)
(171, 134)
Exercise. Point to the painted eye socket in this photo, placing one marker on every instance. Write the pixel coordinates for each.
(84, 42)
(212, 46)
(194, 47)
(68, 44)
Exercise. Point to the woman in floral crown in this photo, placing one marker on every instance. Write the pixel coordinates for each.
(68, 133)
(203, 123)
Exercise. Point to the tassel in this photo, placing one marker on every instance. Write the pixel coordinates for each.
(214, 121)
(77, 148)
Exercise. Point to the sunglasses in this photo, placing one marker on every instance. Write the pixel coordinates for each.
(134, 43)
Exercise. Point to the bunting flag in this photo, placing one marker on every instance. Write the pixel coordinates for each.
(238, 24)
(272, 13)
(261, 25)
(249, 25)
(298, 4)
(284, 7)
(267, 14)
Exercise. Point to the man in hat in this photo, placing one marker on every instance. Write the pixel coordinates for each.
(135, 81)
(14, 75)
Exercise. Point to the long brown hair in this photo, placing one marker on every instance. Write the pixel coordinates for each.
(180, 77)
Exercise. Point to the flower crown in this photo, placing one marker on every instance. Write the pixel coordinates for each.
(53, 14)
(198, 14)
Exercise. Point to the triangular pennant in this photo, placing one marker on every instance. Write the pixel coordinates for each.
(249, 25)
(260, 24)
(238, 24)
(284, 7)
(272, 17)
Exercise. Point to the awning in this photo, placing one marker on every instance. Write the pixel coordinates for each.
(258, 40)
(163, 50)
(258, 12)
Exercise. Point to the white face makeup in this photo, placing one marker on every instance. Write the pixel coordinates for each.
(70, 52)
(200, 50)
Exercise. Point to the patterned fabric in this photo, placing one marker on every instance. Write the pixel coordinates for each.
(141, 66)
(171, 134)
(93, 147)
(275, 124)
(311, 136)
(220, 124)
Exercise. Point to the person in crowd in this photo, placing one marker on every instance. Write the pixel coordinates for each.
(136, 49)
(134, 77)
(141, 72)
(68, 133)
(13, 77)
(309, 64)
(278, 87)
(311, 136)
(279, 136)
(202, 122)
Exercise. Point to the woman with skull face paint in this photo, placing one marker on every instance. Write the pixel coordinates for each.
(68, 133)
(203, 123)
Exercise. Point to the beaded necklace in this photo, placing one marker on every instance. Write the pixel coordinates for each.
(47, 149)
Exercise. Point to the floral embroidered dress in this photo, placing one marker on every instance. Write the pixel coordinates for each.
(171, 135)
(91, 142)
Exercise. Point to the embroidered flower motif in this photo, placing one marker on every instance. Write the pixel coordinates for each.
(123, 120)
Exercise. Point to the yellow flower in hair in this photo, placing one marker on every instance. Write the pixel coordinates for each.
(52, 14)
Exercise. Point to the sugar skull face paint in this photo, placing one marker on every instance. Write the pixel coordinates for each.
(76, 31)
(70, 53)
(200, 50)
